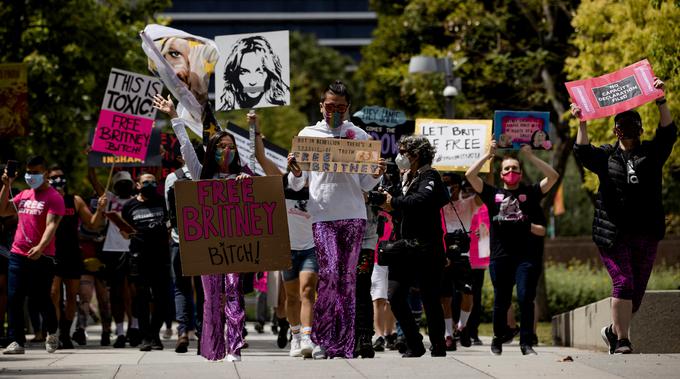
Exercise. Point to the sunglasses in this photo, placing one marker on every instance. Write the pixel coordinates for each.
(331, 108)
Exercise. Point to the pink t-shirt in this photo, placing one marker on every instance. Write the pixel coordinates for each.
(33, 210)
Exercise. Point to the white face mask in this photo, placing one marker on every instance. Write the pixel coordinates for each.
(402, 162)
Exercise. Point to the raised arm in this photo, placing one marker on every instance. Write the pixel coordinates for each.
(472, 174)
(91, 220)
(551, 176)
(4, 192)
(94, 181)
(582, 133)
(269, 167)
(665, 118)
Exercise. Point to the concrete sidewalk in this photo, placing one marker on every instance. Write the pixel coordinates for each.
(264, 360)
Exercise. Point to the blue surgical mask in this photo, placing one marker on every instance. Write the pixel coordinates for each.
(34, 180)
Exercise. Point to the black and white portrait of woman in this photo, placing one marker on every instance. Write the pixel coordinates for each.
(253, 71)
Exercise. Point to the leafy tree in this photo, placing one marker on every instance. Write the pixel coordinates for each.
(70, 47)
(615, 34)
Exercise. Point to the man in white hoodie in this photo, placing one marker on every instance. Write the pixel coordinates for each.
(336, 203)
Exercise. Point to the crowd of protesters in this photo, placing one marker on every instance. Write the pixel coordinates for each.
(121, 246)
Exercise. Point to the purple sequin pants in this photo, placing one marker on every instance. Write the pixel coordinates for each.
(223, 304)
(338, 244)
(629, 263)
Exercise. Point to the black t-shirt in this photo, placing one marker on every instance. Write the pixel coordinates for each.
(511, 213)
(149, 218)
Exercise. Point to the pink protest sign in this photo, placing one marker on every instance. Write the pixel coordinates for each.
(126, 119)
(614, 93)
(512, 129)
(480, 249)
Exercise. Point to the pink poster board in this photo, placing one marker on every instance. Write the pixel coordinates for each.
(616, 92)
(480, 250)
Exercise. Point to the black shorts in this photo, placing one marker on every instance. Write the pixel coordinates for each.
(457, 277)
(68, 268)
(116, 265)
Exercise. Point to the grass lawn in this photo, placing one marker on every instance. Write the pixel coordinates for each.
(543, 329)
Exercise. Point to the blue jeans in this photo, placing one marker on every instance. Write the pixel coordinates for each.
(33, 279)
(184, 293)
(505, 273)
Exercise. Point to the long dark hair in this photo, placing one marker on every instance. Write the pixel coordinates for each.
(210, 167)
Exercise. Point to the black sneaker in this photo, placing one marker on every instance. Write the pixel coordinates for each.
(465, 340)
(134, 337)
(363, 347)
(534, 340)
(80, 337)
(390, 341)
(145, 345)
(609, 337)
(282, 339)
(106, 339)
(65, 343)
(623, 346)
(259, 327)
(510, 334)
(497, 346)
(379, 344)
(120, 342)
(182, 344)
(477, 342)
(527, 350)
(156, 344)
(400, 344)
(416, 352)
(438, 350)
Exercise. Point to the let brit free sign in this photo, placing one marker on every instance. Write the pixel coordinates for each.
(126, 119)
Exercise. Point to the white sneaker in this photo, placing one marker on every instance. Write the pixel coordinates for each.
(52, 343)
(167, 334)
(306, 346)
(14, 348)
(295, 350)
(233, 358)
(319, 352)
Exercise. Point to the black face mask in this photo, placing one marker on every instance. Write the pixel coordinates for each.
(148, 190)
(123, 189)
(58, 182)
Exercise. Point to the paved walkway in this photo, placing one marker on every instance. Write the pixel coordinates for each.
(264, 360)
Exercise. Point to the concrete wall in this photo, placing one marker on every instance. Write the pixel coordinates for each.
(655, 327)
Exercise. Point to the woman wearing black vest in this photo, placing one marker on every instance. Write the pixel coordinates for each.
(68, 257)
(629, 217)
(423, 196)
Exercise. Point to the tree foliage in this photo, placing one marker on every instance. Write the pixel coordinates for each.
(611, 35)
(70, 47)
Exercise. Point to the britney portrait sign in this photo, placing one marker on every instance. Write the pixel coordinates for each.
(614, 93)
(126, 118)
(232, 226)
(513, 129)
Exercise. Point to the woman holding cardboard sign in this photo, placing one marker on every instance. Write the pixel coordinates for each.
(629, 217)
(224, 303)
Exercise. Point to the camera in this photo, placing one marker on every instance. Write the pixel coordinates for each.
(376, 198)
(457, 243)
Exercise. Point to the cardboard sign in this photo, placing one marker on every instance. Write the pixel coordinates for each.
(232, 226)
(459, 143)
(480, 248)
(153, 154)
(126, 118)
(253, 71)
(275, 153)
(384, 125)
(513, 129)
(13, 99)
(614, 93)
(337, 155)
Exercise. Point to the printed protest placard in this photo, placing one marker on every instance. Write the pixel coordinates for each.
(253, 71)
(459, 143)
(616, 92)
(13, 99)
(153, 154)
(275, 153)
(384, 125)
(337, 155)
(232, 226)
(513, 129)
(126, 118)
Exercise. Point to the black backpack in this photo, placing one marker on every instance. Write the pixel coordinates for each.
(172, 208)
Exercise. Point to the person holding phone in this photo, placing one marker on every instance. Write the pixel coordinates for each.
(31, 262)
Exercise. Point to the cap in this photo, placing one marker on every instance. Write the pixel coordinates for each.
(121, 175)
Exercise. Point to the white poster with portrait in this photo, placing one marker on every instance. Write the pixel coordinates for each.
(253, 71)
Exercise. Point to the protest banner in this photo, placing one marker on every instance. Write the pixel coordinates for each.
(384, 125)
(153, 154)
(232, 225)
(512, 129)
(337, 155)
(126, 118)
(459, 143)
(480, 248)
(616, 92)
(13, 100)
(253, 71)
(275, 153)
